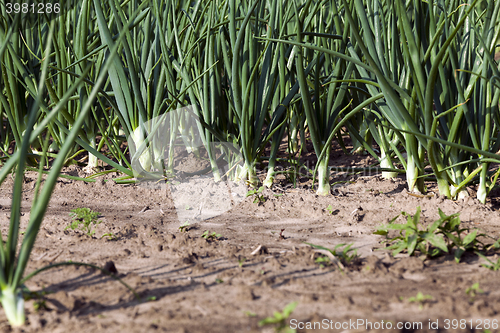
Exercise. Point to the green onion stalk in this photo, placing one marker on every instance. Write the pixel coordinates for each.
(283, 85)
(285, 89)
(12, 266)
(326, 117)
(193, 111)
(215, 51)
(81, 50)
(386, 161)
(329, 101)
(285, 104)
(17, 96)
(479, 124)
(390, 64)
(253, 76)
(336, 104)
(193, 73)
(478, 92)
(415, 110)
(137, 91)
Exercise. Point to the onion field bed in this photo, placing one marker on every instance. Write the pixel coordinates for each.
(250, 166)
(256, 263)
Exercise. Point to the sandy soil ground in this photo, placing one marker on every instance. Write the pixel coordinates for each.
(187, 283)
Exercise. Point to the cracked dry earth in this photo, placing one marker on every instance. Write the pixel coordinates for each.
(190, 284)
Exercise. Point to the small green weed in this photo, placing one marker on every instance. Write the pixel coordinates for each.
(345, 255)
(322, 261)
(241, 262)
(184, 227)
(332, 211)
(279, 319)
(454, 236)
(110, 236)
(442, 236)
(208, 236)
(473, 290)
(494, 266)
(249, 314)
(420, 298)
(259, 197)
(411, 238)
(40, 303)
(83, 219)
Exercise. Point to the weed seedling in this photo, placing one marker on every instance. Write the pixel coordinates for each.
(258, 196)
(40, 302)
(494, 266)
(249, 314)
(184, 227)
(83, 219)
(473, 290)
(241, 262)
(444, 235)
(332, 211)
(453, 234)
(109, 236)
(411, 238)
(346, 256)
(279, 319)
(420, 298)
(322, 261)
(208, 236)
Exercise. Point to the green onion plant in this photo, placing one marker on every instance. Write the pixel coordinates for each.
(14, 258)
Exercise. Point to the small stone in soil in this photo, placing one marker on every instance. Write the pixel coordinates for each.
(110, 267)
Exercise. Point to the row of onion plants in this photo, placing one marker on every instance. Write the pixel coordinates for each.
(413, 83)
